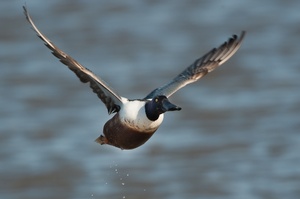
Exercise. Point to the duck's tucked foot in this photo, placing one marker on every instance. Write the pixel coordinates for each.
(102, 140)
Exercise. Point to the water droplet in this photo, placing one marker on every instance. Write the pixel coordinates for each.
(123, 183)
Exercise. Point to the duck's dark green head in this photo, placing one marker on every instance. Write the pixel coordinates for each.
(158, 105)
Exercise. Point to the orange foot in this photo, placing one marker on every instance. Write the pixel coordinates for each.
(101, 140)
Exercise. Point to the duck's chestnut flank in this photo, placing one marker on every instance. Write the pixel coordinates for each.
(136, 121)
(122, 136)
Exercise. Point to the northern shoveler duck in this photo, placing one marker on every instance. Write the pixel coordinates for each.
(136, 120)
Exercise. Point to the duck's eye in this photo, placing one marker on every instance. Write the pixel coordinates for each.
(156, 100)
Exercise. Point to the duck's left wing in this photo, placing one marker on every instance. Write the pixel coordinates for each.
(201, 67)
(110, 98)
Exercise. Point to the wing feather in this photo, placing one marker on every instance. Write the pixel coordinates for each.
(110, 98)
(202, 66)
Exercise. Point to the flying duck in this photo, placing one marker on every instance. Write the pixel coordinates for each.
(136, 120)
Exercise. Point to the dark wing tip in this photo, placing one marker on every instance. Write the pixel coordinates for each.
(26, 13)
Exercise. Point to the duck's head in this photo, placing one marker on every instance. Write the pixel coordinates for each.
(158, 105)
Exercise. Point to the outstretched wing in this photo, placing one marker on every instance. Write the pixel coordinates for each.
(111, 99)
(201, 67)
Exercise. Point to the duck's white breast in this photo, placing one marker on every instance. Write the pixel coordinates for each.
(133, 113)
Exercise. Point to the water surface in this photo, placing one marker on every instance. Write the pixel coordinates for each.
(237, 135)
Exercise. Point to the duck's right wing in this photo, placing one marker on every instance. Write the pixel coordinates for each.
(201, 66)
(111, 99)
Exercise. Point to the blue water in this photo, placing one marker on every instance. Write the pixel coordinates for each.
(237, 135)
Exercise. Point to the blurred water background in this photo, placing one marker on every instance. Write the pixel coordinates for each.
(237, 135)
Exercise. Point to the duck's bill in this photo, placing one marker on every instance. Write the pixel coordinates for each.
(168, 106)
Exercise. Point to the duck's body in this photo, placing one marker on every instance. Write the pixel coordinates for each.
(119, 133)
(130, 127)
(136, 121)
